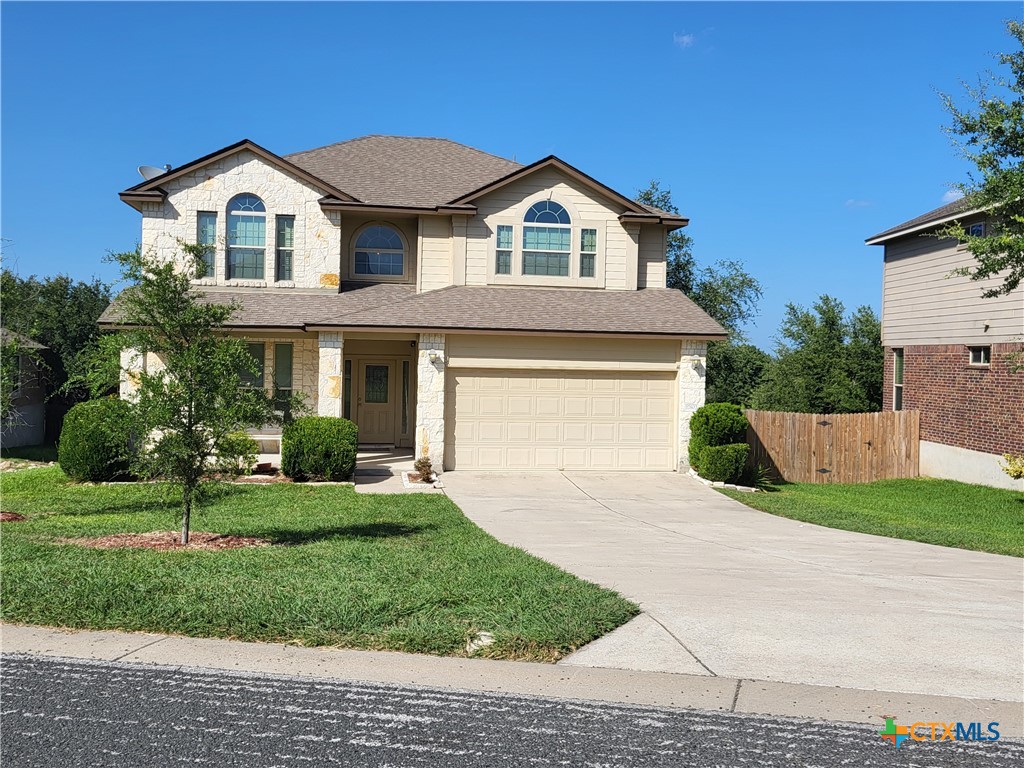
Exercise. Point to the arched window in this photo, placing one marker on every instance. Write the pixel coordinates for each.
(379, 251)
(547, 248)
(247, 237)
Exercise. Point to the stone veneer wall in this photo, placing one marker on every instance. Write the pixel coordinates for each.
(317, 247)
(692, 373)
(330, 382)
(430, 399)
(973, 407)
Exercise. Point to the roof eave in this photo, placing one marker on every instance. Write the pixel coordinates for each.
(675, 222)
(333, 204)
(136, 199)
(245, 144)
(884, 237)
(552, 160)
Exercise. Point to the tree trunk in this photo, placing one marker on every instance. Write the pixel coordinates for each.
(186, 513)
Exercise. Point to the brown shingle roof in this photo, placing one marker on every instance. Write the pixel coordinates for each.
(657, 311)
(289, 309)
(650, 311)
(937, 215)
(8, 337)
(400, 170)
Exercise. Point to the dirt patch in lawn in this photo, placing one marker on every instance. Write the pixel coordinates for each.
(169, 540)
(11, 517)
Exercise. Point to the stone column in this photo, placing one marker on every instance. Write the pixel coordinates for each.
(330, 375)
(133, 363)
(430, 399)
(692, 372)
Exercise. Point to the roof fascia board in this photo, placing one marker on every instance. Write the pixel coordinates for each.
(256, 149)
(553, 161)
(880, 239)
(329, 204)
(511, 332)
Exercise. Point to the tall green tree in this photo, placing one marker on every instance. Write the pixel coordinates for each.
(825, 361)
(727, 292)
(194, 408)
(990, 134)
(59, 313)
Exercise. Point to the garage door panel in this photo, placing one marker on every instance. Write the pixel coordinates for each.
(560, 420)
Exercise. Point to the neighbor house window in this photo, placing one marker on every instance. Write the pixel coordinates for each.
(976, 230)
(503, 254)
(588, 252)
(285, 247)
(547, 240)
(282, 377)
(206, 237)
(247, 237)
(897, 379)
(249, 378)
(981, 355)
(379, 251)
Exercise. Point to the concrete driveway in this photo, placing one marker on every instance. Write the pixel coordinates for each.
(730, 591)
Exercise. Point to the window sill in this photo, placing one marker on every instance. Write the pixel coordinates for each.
(284, 284)
(246, 283)
(978, 366)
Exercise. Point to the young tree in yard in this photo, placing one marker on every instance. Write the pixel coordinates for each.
(825, 362)
(990, 135)
(727, 292)
(194, 408)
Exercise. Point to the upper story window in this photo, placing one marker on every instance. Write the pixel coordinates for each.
(206, 236)
(980, 355)
(379, 251)
(247, 237)
(285, 248)
(977, 229)
(547, 240)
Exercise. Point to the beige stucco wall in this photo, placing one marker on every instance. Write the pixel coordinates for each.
(209, 188)
(922, 303)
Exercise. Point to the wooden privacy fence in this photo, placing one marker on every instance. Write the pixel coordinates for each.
(835, 448)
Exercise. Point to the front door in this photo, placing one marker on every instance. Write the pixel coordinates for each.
(375, 401)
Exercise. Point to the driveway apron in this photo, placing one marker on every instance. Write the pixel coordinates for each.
(730, 591)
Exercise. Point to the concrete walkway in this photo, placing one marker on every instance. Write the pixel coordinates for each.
(731, 592)
(512, 677)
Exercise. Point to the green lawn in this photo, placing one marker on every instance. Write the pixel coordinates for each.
(399, 572)
(933, 511)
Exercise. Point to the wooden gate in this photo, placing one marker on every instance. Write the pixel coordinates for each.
(835, 448)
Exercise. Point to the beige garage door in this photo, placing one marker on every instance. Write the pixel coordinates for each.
(559, 420)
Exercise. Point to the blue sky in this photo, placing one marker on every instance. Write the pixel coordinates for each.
(788, 133)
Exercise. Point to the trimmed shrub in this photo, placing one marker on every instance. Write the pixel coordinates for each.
(96, 441)
(715, 424)
(319, 448)
(723, 463)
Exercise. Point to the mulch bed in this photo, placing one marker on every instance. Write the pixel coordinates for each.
(164, 541)
(11, 517)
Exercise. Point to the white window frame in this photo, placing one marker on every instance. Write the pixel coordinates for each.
(897, 388)
(985, 355)
(516, 220)
(267, 240)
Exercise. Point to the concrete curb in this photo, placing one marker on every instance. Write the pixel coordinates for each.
(657, 689)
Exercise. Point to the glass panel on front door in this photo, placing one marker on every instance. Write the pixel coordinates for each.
(376, 385)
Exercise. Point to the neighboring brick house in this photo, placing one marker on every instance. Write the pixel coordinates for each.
(949, 352)
(488, 314)
(26, 423)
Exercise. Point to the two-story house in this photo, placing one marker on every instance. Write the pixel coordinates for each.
(951, 353)
(488, 314)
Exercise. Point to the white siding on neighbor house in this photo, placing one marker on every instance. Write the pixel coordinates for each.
(923, 304)
(652, 271)
(590, 209)
(435, 248)
(210, 187)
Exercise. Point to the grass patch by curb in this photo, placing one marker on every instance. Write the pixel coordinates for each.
(933, 511)
(404, 572)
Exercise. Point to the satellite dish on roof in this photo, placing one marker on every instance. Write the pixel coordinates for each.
(151, 171)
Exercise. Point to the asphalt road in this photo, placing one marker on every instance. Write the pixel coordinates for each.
(60, 713)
